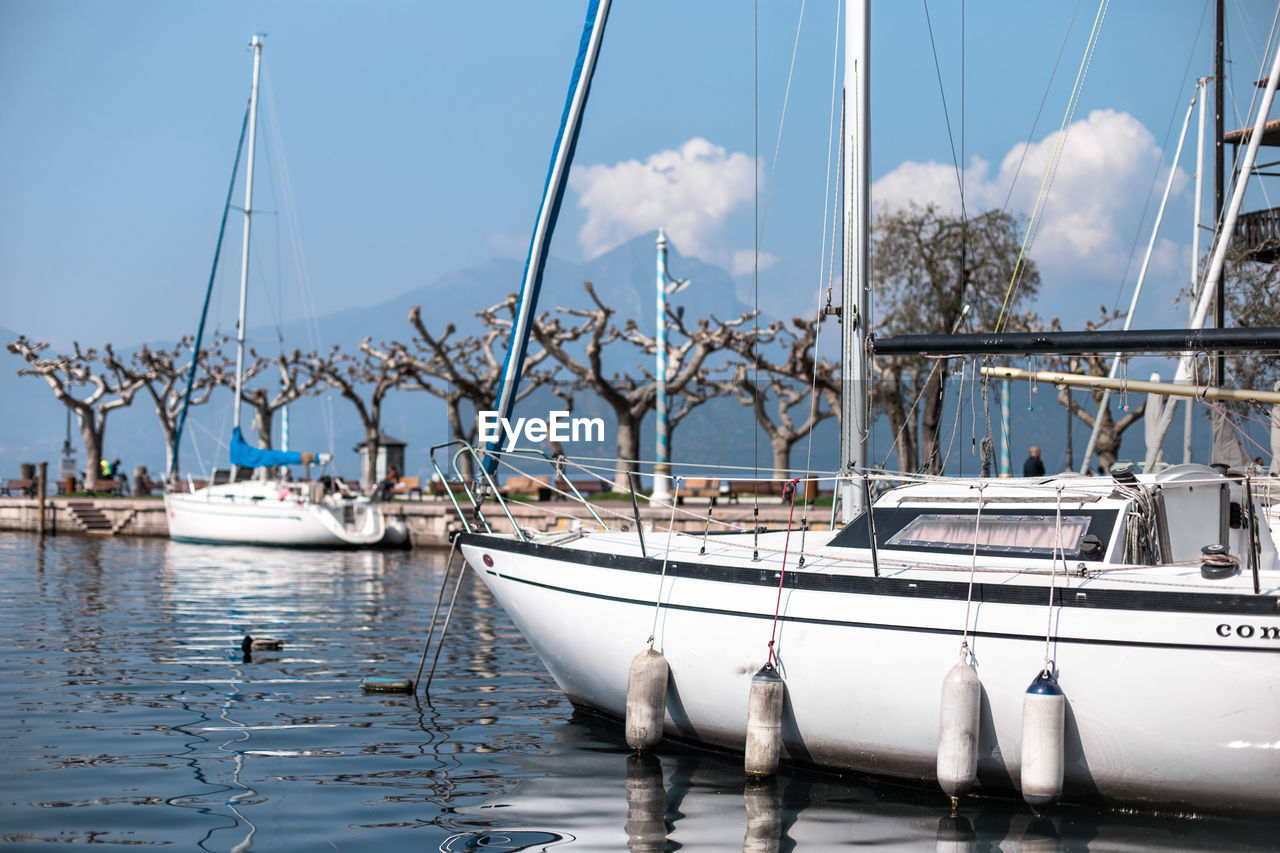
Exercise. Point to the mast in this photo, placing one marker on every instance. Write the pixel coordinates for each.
(553, 193)
(1213, 278)
(856, 195)
(244, 251)
(1219, 181)
(1202, 86)
(1142, 277)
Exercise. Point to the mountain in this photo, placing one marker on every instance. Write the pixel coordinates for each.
(718, 433)
(624, 278)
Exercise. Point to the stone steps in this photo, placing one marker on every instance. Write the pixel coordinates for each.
(90, 518)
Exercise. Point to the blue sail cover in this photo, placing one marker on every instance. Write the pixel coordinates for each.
(553, 194)
(244, 456)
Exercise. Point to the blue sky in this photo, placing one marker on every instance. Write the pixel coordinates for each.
(416, 137)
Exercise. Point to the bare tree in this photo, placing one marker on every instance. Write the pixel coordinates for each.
(296, 381)
(930, 270)
(108, 390)
(161, 372)
(630, 395)
(468, 369)
(797, 377)
(1109, 429)
(364, 381)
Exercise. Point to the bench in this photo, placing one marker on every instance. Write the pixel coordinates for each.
(564, 488)
(739, 489)
(700, 487)
(110, 486)
(19, 488)
(539, 487)
(407, 486)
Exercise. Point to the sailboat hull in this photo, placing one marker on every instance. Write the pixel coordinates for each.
(265, 513)
(1166, 709)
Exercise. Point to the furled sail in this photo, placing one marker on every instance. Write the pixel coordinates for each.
(244, 455)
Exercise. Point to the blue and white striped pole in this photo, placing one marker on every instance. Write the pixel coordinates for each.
(661, 466)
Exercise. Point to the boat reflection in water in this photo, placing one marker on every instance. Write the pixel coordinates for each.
(589, 793)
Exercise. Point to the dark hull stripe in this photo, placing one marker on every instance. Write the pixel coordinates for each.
(1100, 599)
(880, 626)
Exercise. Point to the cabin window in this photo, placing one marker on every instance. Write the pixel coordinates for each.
(1025, 534)
(1086, 531)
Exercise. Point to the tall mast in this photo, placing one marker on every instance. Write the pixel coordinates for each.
(856, 195)
(248, 207)
(1203, 89)
(1219, 180)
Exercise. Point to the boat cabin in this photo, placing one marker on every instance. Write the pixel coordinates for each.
(1168, 517)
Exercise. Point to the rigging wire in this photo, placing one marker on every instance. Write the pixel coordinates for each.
(1046, 182)
(1174, 112)
(826, 269)
(1040, 110)
(755, 260)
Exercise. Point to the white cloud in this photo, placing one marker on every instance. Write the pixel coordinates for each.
(690, 192)
(744, 261)
(1095, 201)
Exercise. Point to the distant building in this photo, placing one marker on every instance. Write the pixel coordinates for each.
(390, 452)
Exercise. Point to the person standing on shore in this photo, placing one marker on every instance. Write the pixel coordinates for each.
(1034, 466)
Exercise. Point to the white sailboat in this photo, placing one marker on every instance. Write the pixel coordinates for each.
(270, 511)
(1142, 609)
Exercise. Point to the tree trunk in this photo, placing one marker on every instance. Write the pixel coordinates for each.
(460, 433)
(369, 470)
(628, 449)
(264, 421)
(904, 437)
(1107, 447)
(170, 451)
(781, 445)
(91, 432)
(931, 420)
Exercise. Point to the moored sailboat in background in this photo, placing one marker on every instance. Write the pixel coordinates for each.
(1110, 640)
(269, 510)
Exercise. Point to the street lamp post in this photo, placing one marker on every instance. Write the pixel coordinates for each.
(662, 461)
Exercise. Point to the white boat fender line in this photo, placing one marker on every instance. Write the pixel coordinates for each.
(649, 672)
(1044, 710)
(1043, 725)
(646, 699)
(961, 703)
(958, 728)
(763, 749)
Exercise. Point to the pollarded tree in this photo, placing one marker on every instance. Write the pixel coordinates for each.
(163, 374)
(108, 390)
(467, 369)
(363, 380)
(1110, 430)
(295, 382)
(927, 266)
(631, 395)
(777, 375)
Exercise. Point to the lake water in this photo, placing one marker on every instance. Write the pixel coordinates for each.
(130, 716)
